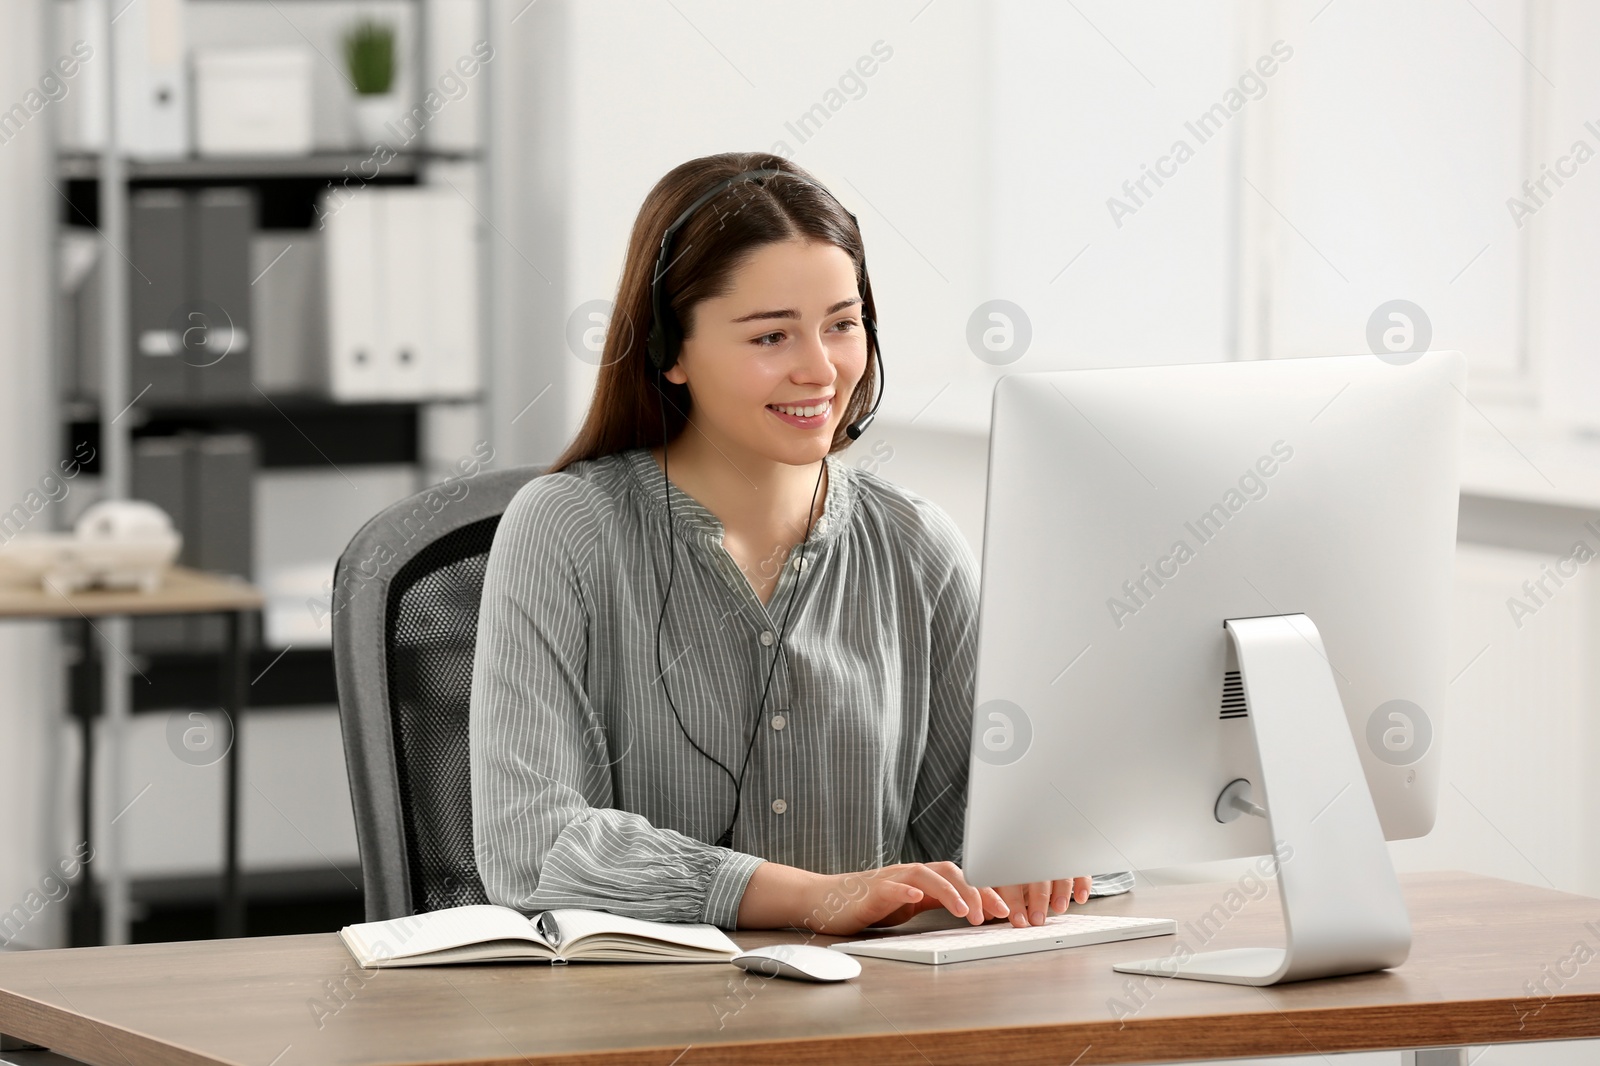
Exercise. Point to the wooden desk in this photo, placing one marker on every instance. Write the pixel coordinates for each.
(182, 591)
(1481, 944)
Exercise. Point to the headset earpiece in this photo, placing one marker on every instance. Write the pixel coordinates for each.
(655, 347)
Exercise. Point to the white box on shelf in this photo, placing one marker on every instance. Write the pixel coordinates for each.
(253, 101)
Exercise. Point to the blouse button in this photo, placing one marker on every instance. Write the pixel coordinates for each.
(766, 638)
(779, 806)
(779, 721)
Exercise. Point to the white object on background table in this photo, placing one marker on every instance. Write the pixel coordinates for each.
(116, 544)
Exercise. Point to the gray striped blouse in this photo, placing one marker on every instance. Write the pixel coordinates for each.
(585, 792)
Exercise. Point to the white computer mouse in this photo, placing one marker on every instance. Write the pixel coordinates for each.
(802, 962)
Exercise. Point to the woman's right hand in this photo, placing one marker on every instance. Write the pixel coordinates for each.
(785, 897)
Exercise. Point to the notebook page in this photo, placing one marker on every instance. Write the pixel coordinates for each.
(449, 928)
(575, 924)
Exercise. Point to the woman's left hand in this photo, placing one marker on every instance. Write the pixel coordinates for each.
(1030, 903)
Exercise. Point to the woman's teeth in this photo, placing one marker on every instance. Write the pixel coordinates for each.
(801, 412)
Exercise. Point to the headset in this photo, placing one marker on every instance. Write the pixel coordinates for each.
(663, 344)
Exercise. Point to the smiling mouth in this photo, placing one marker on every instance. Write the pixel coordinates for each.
(802, 410)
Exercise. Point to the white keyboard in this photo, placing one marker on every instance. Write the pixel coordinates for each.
(998, 939)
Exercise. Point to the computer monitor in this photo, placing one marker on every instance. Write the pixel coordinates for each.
(1213, 623)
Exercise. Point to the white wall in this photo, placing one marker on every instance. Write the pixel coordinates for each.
(33, 821)
(1085, 99)
(1385, 161)
(604, 97)
(1564, 316)
(1521, 739)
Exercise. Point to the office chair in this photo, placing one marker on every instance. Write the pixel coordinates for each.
(405, 624)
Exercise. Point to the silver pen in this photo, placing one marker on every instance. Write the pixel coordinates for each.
(546, 924)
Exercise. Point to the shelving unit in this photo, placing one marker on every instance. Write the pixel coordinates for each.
(305, 431)
(292, 431)
(85, 166)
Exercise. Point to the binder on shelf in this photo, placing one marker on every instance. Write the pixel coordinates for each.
(152, 86)
(406, 234)
(158, 246)
(160, 475)
(288, 315)
(152, 89)
(206, 483)
(354, 267)
(189, 300)
(402, 295)
(222, 514)
(223, 223)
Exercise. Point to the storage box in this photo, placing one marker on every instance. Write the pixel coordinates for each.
(253, 101)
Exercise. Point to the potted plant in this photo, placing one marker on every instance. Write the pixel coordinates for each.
(369, 53)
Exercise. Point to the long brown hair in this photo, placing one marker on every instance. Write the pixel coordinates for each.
(626, 410)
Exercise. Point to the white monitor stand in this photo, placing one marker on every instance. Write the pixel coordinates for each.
(1342, 908)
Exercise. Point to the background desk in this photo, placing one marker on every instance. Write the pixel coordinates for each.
(182, 591)
(1480, 944)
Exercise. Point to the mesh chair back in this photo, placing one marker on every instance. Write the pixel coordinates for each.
(405, 626)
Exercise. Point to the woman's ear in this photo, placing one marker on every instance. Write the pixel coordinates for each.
(675, 373)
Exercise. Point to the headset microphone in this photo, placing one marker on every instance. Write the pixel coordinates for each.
(859, 426)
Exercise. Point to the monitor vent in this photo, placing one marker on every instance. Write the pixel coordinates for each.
(1233, 705)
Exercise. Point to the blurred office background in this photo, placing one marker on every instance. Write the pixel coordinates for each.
(1041, 186)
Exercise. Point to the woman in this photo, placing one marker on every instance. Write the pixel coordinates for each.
(721, 675)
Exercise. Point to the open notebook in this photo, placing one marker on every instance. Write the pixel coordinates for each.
(499, 934)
